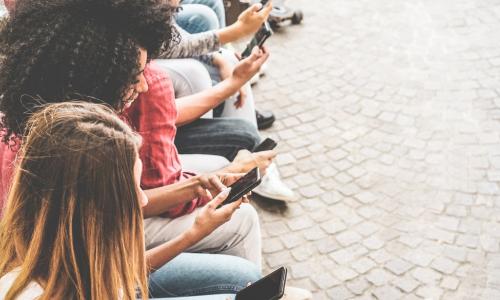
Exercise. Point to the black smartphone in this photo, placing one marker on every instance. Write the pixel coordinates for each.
(271, 287)
(243, 186)
(258, 40)
(267, 144)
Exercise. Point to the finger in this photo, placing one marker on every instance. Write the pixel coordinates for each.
(217, 184)
(220, 198)
(232, 207)
(233, 177)
(267, 154)
(267, 10)
(256, 7)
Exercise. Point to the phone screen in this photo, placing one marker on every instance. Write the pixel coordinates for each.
(268, 288)
(244, 185)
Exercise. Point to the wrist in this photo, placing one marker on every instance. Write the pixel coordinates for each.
(194, 234)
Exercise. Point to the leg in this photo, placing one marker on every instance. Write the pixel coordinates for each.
(189, 76)
(195, 18)
(240, 236)
(220, 136)
(216, 5)
(202, 163)
(192, 274)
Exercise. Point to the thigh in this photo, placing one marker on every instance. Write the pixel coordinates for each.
(189, 76)
(202, 163)
(220, 136)
(196, 18)
(193, 274)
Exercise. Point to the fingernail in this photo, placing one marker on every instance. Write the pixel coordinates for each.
(226, 190)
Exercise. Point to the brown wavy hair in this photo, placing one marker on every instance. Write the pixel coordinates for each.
(73, 221)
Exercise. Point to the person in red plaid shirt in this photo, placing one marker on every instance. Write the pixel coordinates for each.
(99, 58)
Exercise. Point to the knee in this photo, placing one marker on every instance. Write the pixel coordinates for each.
(248, 220)
(201, 19)
(249, 133)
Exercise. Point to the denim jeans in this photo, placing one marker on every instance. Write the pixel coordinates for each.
(196, 18)
(218, 136)
(194, 274)
(216, 6)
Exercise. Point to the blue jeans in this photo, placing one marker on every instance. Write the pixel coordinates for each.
(218, 136)
(195, 274)
(205, 19)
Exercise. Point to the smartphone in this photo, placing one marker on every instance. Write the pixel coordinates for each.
(267, 144)
(270, 287)
(243, 186)
(258, 40)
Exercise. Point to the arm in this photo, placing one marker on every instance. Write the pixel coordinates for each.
(191, 45)
(208, 219)
(192, 107)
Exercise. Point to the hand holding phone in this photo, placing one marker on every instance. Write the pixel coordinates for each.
(258, 40)
(271, 287)
(243, 186)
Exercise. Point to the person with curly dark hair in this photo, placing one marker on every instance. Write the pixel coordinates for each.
(97, 51)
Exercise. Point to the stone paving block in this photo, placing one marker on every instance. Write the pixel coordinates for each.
(387, 292)
(379, 277)
(348, 238)
(398, 266)
(450, 283)
(444, 265)
(426, 276)
(344, 273)
(406, 284)
(358, 286)
(340, 293)
(363, 265)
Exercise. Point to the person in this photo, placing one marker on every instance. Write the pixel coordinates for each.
(59, 47)
(73, 224)
(201, 34)
(44, 56)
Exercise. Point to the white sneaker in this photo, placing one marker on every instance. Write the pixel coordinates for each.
(293, 293)
(273, 188)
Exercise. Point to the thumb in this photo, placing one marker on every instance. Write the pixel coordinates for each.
(220, 198)
(256, 7)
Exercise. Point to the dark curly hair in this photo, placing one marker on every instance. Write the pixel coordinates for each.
(56, 49)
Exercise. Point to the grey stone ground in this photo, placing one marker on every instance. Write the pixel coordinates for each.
(389, 122)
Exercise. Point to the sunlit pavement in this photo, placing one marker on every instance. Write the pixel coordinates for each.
(388, 125)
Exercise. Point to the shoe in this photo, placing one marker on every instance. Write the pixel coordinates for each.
(273, 188)
(265, 119)
(293, 293)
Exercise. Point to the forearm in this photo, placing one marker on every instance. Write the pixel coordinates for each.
(163, 198)
(229, 34)
(192, 45)
(159, 256)
(192, 107)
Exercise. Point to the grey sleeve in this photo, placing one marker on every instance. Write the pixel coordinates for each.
(193, 45)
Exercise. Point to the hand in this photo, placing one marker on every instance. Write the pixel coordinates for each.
(214, 183)
(250, 20)
(249, 66)
(225, 71)
(210, 217)
(246, 160)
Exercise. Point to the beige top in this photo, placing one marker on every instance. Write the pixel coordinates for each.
(31, 292)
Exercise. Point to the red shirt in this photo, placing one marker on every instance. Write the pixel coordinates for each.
(153, 116)
(7, 160)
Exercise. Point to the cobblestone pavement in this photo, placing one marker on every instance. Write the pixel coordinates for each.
(389, 129)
